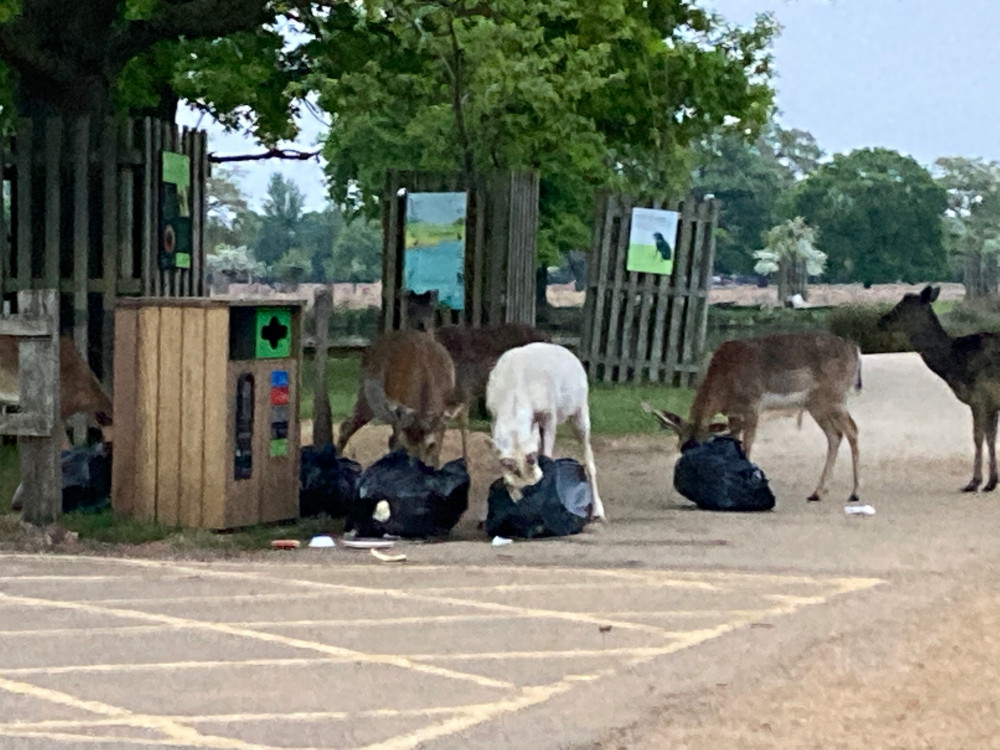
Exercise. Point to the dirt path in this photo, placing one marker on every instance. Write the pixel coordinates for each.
(907, 665)
(667, 628)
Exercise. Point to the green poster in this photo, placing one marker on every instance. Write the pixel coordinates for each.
(175, 212)
(177, 169)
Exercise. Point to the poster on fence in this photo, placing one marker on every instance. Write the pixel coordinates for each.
(434, 256)
(175, 212)
(651, 241)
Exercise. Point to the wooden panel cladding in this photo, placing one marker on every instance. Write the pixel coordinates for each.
(176, 417)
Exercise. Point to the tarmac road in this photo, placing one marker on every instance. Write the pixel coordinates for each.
(669, 627)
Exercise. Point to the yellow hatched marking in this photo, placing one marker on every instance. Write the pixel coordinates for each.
(174, 731)
(389, 660)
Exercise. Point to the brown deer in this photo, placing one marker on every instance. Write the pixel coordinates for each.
(811, 371)
(970, 365)
(408, 380)
(79, 389)
(474, 351)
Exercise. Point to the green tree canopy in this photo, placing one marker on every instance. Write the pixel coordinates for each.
(281, 222)
(750, 178)
(878, 215)
(972, 220)
(589, 92)
(357, 253)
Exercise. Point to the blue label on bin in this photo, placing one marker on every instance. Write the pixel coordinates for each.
(279, 378)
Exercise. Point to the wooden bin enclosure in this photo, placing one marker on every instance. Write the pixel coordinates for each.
(646, 326)
(207, 411)
(501, 233)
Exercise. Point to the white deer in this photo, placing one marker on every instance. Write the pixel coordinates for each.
(810, 371)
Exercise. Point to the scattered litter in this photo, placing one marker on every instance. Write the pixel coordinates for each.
(368, 543)
(286, 543)
(859, 510)
(388, 558)
(499, 541)
(322, 541)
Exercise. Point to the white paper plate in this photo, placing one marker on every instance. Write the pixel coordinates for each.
(368, 543)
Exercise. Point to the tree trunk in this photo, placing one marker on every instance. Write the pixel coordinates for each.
(980, 275)
(792, 279)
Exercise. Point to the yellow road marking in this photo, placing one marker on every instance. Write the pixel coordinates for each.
(458, 719)
(389, 660)
(173, 730)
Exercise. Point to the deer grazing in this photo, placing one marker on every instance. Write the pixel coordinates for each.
(408, 380)
(970, 365)
(811, 371)
(474, 351)
(533, 389)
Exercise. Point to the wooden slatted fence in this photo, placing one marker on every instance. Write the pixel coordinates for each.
(501, 232)
(645, 326)
(84, 219)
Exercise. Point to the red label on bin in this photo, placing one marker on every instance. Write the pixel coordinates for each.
(279, 395)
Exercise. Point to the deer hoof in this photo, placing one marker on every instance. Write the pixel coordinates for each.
(813, 498)
(853, 499)
(990, 485)
(971, 486)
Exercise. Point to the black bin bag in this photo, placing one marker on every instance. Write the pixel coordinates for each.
(327, 482)
(717, 475)
(86, 477)
(421, 502)
(559, 505)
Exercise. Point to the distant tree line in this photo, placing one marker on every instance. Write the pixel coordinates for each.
(283, 242)
(877, 215)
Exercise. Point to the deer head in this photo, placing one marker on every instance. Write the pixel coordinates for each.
(912, 309)
(688, 433)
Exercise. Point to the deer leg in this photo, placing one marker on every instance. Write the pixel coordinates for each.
(749, 421)
(978, 433)
(463, 425)
(362, 415)
(580, 423)
(546, 434)
(991, 446)
(850, 429)
(829, 424)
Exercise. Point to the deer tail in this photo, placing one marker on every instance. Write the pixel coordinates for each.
(857, 379)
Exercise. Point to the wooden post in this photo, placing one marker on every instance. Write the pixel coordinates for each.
(322, 418)
(38, 376)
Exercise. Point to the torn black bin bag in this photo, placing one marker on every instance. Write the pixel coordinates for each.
(558, 505)
(86, 477)
(327, 483)
(717, 475)
(421, 502)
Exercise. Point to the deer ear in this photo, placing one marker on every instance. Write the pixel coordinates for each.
(927, 294)
(667, 419)
(718, 428)
(935, 292)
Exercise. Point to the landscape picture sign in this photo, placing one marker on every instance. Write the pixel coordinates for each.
(434, 256)
(652, 240)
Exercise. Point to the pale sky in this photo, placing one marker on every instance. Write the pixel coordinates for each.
(917, 76)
